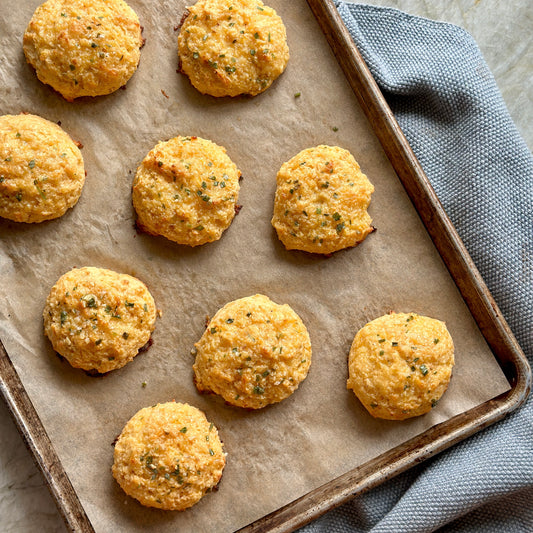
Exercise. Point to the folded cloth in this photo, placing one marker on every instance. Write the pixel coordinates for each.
(446, 101)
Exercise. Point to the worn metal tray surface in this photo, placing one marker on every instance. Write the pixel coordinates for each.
(292, 462)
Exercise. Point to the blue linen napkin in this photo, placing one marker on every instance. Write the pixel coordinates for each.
(447, 103)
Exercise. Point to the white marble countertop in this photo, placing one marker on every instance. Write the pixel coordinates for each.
(502, 31)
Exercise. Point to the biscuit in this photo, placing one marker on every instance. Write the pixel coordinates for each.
(168, 456)
(254, 352)
(186, 189)
(400, 365)
(41, 169)
(321, 201)
(98, 319)
(83, 47)
(232, 48)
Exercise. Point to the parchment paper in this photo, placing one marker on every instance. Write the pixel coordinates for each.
(279, 453)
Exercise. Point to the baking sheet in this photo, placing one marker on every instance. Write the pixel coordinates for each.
(284, 451)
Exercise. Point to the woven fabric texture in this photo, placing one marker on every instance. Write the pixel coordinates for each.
(446, 101)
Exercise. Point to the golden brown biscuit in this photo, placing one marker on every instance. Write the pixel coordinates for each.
(254, 352)
(186, 189)
(321, 201)
(231, 48)
(400, 365)
(83, 47)
(98, 319)
(168, 456)
(41, 169)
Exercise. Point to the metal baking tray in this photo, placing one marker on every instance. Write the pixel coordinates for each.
(463, 271)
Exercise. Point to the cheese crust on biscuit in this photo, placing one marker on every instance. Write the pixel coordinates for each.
(321, 201)
(400, 365)
(98, 319)
(83, 47)
(168, 456)
(228, 48)
(253, 353)
(41, 169)
(186, 189)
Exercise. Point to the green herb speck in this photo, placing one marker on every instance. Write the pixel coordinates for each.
(90, 300)
(39, 190)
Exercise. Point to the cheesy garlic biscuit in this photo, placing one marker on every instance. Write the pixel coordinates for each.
(400, 365)
(228, 48)
(254, 352)
(83, 47)
(321, 201)
(98, 319)
(168, 456)
(186, 189)
(41, 169)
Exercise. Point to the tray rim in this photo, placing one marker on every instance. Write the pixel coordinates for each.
(39, 444)
(462, 269)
